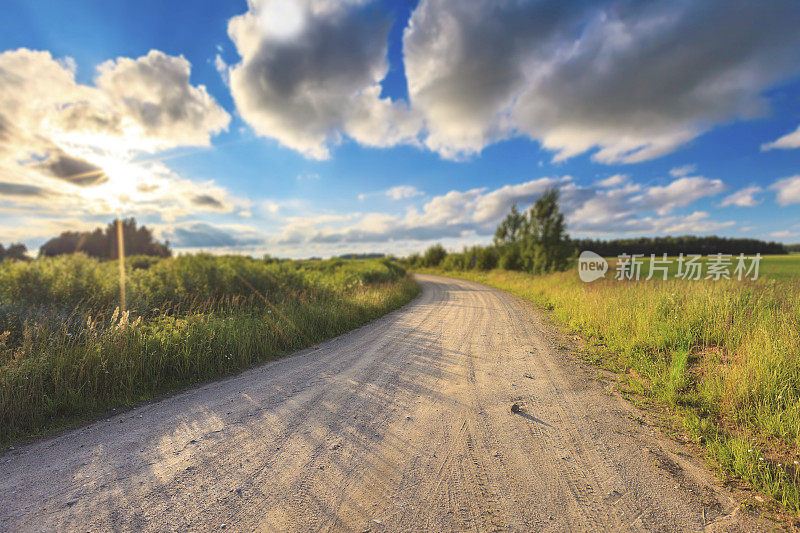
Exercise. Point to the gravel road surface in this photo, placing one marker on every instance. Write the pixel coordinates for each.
(403, 424)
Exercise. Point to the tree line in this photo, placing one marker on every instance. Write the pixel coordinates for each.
(16, 251)
(102, 242)
(535, 241)
(687, 244)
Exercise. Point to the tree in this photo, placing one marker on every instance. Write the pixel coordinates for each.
(510, 229)
(485, 257)
(434, 255)
(508, 240)
(414, 260)
(546, 245)
(16, 251)
(103, 244)
(536, 240)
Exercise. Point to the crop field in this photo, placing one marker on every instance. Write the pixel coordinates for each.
(69, 353)
(723, 357)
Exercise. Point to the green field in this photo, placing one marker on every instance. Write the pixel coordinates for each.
(771, 266)
(722, 356)
(68, 353)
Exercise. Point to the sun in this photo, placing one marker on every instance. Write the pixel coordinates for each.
(120, 190)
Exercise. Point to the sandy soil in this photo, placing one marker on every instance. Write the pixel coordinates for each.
(403, 424)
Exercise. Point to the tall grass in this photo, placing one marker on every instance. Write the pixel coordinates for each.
(725, 356)
(67, 352)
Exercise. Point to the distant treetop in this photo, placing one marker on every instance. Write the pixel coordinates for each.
(14, 251)
(103, 243)
(687, 244)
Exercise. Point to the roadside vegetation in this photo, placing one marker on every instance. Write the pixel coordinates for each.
(722, 357)
(69, 353)
(535, 241)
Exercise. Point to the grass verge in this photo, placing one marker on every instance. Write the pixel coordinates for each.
(68, 354)
(724, 357)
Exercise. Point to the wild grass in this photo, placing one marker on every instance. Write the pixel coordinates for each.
(67, 352)
(723, 356)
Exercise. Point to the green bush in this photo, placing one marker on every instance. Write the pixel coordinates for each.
(454, 262)
(434, 255)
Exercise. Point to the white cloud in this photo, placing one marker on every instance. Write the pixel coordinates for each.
(575, 77)
(472, 215)
(41, 228)
(222, 68)
(685, 170)
(679, 193)
(788, 190)
(310, 75)
(495, 204)
(402, 192)
(788, 141)
(743, 198)
(696, 222)
(154, 91)
(396, 193)
(634, 80)
(69, 148)
(603, 210)
(613, 181)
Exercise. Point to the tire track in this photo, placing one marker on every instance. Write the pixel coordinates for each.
(404, 424)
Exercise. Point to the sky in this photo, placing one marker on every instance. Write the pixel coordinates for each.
(305, 128)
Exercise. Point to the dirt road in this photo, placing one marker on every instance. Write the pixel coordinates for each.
(404, 424)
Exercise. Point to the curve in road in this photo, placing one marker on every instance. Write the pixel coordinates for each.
(403, 424)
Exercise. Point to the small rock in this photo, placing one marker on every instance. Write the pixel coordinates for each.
(515, 408)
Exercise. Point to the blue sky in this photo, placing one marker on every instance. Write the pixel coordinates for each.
(303, 128)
